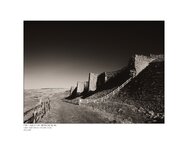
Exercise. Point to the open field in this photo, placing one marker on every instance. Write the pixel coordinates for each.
(33, 96)
(61, 112)
(37, 102)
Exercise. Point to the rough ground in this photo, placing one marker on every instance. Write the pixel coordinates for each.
(32, 96)
(62, 112)
(141, 100)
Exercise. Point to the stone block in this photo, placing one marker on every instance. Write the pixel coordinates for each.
(141, 62)
(72, 89)
(80, 87)
(101, 80)
(86, 86)
(93, 81)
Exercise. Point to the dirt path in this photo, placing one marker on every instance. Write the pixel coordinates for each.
(62, 112)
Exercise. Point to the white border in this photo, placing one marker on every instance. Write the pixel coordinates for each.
(171, 135)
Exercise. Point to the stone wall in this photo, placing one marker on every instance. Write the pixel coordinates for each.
(80, 87)
(116, 78)
(73, 92)
(101, 80)
(141, 62)
(110, 75)
(158, 57)
(72, 89)
(93, 81)
(148, 85)
(108, 80)
(86, 86)
(143, 96)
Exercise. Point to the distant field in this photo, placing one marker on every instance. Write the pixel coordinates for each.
(32, 96)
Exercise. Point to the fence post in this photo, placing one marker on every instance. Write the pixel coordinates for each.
(49, 104)
(34, 117)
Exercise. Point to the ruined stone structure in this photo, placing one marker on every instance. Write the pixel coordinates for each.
(86, 86)
(158, 57)
(142, 94)
(72, 89)
(107, 80)
(140, 62)
(101, 80)
(93, 81)
(80, 87)
(110, 75)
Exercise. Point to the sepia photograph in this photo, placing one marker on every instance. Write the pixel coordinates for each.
(94, 72)
(100, 74)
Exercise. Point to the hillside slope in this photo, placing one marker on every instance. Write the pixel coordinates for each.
(141, 100)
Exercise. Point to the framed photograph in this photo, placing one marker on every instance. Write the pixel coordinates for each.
(94, 72)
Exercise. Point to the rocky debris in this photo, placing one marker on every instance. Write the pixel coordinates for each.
(151, 113)
(141, 110)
